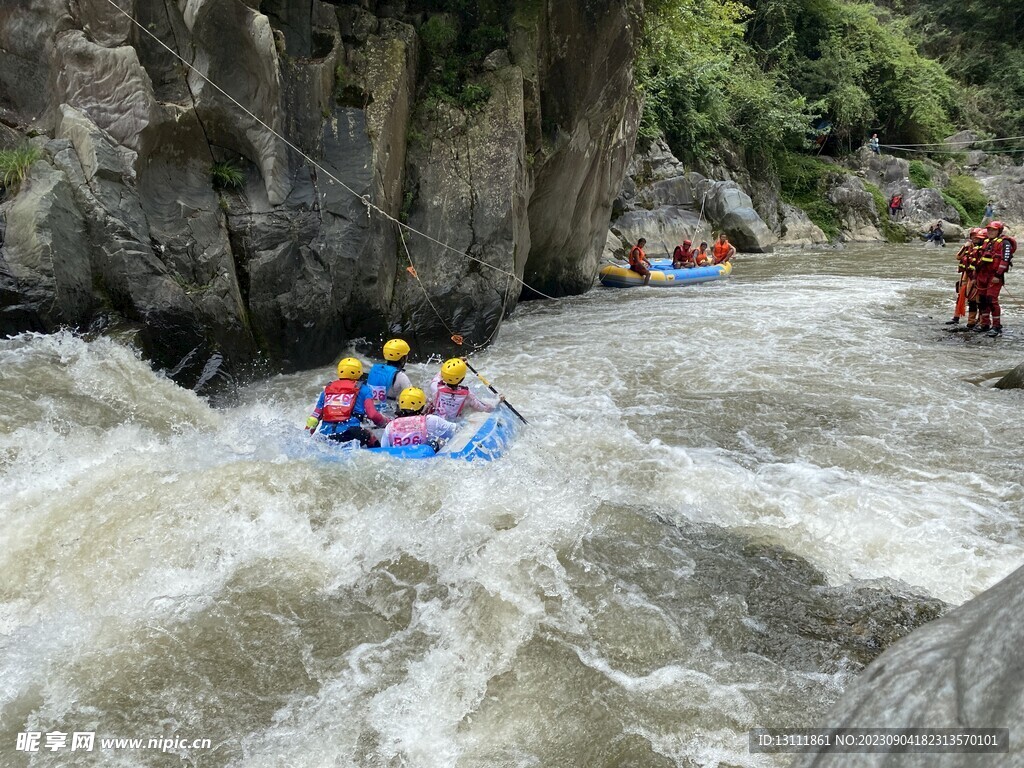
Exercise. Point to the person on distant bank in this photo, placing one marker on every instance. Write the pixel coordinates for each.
(638, 260)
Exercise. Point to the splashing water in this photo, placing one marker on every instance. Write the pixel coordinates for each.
(676, 551)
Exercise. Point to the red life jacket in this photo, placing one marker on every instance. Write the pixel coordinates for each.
(450, 400)
(996, 253)
(340, 397)
(896, 202)
(682, 255)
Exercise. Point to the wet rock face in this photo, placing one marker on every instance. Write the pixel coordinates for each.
(962, 670)
(665, 204)
(857, 210)
(1013, 380)
(591, 113)
(45, 274)
(797, 227)
(275, 259)
(471, 188)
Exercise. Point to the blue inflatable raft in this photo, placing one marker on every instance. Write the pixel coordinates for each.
(662, 275)
(482, 437)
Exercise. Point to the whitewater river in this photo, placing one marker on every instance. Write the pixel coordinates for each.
(729, 497)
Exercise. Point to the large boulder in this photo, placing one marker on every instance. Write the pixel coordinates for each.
(960, 671)
(726, 204)
(1012, 380)
(1004, 186)
(798, 229)
(664, 228)
(747, 231)
(926, 206)
(884, 171)
(663, 203)
(857, 211)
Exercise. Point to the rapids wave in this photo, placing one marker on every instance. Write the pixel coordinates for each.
(675, 552)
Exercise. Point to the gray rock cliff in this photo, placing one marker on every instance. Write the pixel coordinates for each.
(161, 203)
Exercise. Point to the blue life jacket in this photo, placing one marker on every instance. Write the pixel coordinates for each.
(380, 379)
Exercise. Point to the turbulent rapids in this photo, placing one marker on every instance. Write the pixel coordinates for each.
(730, 497)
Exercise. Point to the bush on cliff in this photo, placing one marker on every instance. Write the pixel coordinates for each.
(979, 41)
(457, 36)
(966, 194)
(920, 175)
(804, 182)
(15, 165)
(701, 86)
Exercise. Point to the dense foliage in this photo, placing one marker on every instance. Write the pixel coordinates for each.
(702, 84)
(980, 41)
(759, 73)
(457, 35)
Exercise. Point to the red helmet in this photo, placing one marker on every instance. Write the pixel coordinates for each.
(687, 242)
(978, 232)
(995, 225)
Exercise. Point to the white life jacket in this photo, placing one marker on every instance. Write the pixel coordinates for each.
(449, 401)
(408, 430)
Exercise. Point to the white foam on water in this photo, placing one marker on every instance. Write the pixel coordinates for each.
(355, 612)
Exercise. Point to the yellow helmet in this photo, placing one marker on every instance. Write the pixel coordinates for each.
(350, 368)
(412, 399)
(453, 371)
(395, 350)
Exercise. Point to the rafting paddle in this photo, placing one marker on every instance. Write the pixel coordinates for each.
(488, 385)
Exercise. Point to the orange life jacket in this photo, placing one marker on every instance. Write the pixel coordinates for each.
(637, 256)
(721, 251)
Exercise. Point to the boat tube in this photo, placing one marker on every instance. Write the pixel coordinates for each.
(662, 275)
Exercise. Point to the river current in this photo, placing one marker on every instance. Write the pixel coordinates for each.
(727, 495)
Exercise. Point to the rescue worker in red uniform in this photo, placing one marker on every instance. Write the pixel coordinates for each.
(638, 260)
(995, 260)
(966, 290)
(683, 256)
(449, 396)
(343, 407)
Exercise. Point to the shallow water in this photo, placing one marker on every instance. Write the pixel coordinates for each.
(710, 474)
